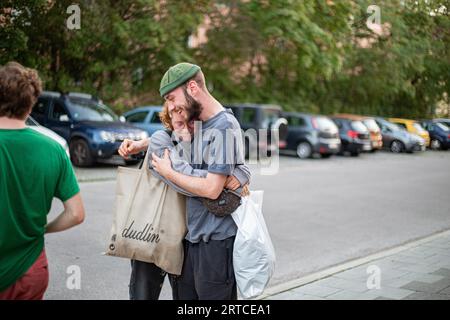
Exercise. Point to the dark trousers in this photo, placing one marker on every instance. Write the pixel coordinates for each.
(207, 272)
(146, 281)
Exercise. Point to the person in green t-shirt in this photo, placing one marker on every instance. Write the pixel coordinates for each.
(33, 170)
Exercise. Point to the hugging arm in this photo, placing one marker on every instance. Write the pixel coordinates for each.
(242, 173)
(197, 187)
(212, 185)
(209, 187)
(161, 141)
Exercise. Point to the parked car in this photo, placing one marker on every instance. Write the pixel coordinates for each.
(263, 119)
(444, 121)
(92, 130)
(145, 118)
(310, 134)
(32, 124)
(439, 134)
(420, 142)
(413, 127)
(397, 140)
(375, 133)
(355, 136)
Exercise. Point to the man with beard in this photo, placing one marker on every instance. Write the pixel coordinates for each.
(208, 263)
(146, 278)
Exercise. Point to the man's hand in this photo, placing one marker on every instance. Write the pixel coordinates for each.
(129, 147)
(162, 165)
(232, 183)
(245, 191)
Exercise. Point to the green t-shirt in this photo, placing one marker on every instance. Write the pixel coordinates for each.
(33, 170)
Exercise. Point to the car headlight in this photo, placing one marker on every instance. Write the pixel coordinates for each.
(107, 136)
(144, 135)
(132, 136)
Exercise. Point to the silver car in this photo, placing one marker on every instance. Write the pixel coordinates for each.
(32, 124)
(398, 140)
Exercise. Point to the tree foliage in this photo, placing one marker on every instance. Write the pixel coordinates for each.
(317, 56)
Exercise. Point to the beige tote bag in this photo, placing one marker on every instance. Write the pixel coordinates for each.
(150, 220)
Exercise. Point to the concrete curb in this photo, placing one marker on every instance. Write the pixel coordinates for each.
(286, 286)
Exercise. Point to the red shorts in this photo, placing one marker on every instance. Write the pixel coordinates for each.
(32, 285)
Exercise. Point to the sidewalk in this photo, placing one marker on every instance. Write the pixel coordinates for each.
(418, 270)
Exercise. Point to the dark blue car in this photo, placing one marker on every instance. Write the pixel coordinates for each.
(439, 130)
(355, 137)
(146, 118)
(92, 130)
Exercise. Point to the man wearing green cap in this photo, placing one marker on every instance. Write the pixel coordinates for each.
(217, 147)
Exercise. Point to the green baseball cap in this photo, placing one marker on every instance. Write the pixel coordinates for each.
(176, 76)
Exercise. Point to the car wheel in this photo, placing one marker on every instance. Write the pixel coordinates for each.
(80, 154)
(304, 150)
(397, 146)
(435, 144)
(354, 154)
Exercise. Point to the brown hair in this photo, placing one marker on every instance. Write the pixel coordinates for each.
(19, 89)
(165, 118)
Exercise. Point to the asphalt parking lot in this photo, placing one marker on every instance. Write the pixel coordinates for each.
(319, 212)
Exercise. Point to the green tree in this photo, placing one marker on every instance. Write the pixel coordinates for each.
(275, 51)
(403, 72)
(316, 56)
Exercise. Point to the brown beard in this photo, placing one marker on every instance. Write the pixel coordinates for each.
(193, 107)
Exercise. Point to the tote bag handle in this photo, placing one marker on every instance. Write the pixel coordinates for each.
(142, 167)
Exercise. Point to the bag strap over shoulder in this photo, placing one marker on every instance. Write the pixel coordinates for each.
(169, 132)
(145, 161)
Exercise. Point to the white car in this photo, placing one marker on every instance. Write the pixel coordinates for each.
(31, 123)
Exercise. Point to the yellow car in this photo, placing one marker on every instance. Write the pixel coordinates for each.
(412, 127)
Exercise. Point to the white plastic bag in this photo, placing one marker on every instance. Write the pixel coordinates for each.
(253, 253)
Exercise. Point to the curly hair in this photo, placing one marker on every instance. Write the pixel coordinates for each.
(165, 118)
(19, 89)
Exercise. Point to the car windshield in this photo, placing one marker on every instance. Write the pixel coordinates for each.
(371, 125)
(445, 123)
(270, 117)
(418, 127)
(358, 126)
(400, 127)
(444, 127)
(326, 124)
(88, 110)
(389, 125)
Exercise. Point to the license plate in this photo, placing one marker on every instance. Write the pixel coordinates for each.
(366, 147)
(332, 146)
